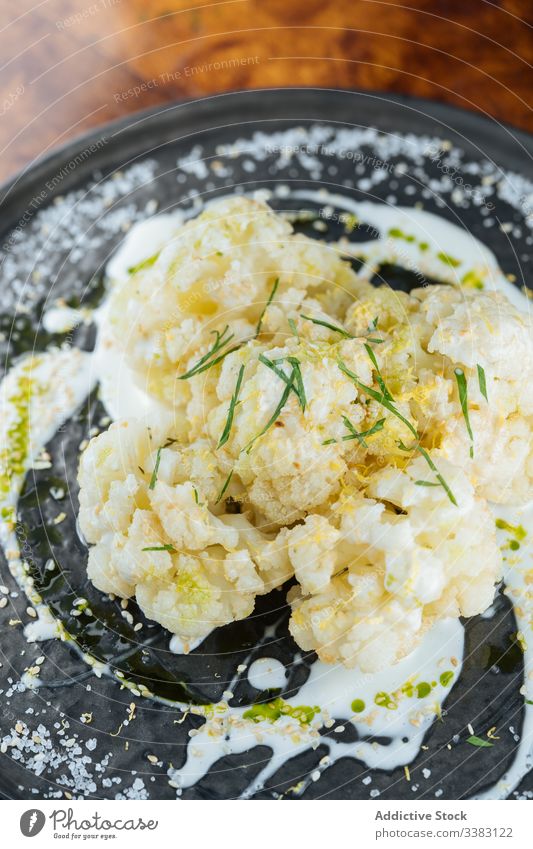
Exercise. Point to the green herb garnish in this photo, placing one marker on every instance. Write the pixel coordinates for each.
(231, 411)
(270, 299)
(298, 382)
(283, 400)
(385, 402)
(482, 380)
(294, 329)
(333, 327)
(224, 488)
(478, 741)
(153, 479)
(360, 436)
(160, 548)
(298, 389)
(379, 376)
(145, 263)
(463, 399)
(371, 327)
(210, 359)
(379, 397)
(433, 468)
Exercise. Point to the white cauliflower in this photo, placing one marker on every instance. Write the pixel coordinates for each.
(220, 270)
(486, 338)
(318, 428)
(145, 511)
(373, 579)
(284, 465)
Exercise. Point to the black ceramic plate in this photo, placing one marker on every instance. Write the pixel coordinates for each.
(60, 221)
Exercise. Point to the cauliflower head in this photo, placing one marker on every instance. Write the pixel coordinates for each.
(319, 428)
(381, 568)
(144, 509)
(219, 272)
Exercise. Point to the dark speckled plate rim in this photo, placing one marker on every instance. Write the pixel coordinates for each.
(141, 133)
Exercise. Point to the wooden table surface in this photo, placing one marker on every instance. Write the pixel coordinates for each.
(68, 65)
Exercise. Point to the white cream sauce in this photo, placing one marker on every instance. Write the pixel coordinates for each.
(388, 704)
(267, 673)
(38, 394)
(333, 689)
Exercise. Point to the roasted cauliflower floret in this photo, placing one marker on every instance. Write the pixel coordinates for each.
(284, 465)
(485, 344)
(373, 579)
(220, 269)
(153, 534)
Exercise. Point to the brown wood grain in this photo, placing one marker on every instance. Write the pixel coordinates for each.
(68, 65)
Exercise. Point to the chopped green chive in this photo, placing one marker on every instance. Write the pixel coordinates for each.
(270, 299)
(426, 483)
(371, 327)
(478, 741)
(145, 263)
(432, 466)
(196, 495)
(360, 436)
(379, 377)
(463, 399)
(379, 397)
(385, 402)
(299, 381)
(153, 479)
(224, 488)
(274, 417)
(160, 548)
(231, 411)
(298, 389)
(482, 380)
(327, 324)
(206, 361)
(294, 329)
